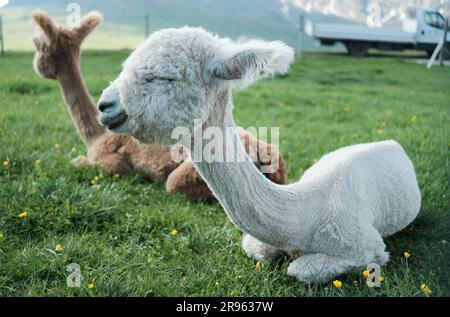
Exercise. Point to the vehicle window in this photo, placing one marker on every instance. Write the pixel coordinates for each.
(434, 19)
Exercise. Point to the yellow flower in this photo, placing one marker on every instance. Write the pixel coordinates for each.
(174, 232)
(406, 254)
(90, 285)
(96, 178)
(59, 248)
(381, 278)
(413, 118)
(258, 265)
(217, 283)
(73, 150)
(337, 283)
(93, 182)
(366, 273)
(5, 163)
(426, 290)
(2, 236)
(56, 146)
(23, 214)
(37, 162)
(380, 131)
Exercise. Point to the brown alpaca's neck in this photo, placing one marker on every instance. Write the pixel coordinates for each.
(81, 106)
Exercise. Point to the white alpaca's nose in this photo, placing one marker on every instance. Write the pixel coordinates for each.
(112, 114)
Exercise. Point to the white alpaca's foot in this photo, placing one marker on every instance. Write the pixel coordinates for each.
(318, 268)
(80, 161)
(258, 250)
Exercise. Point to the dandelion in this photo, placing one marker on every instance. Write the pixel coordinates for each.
(23, 214)
(93, 182)
(366, 273)
(97, 178)
(90, 285)
(59, 248)
(37, 162)
(258, 265)
(406, 254)
(5, 163)
(413, 118)
(337, 283)
(381, 278)
(56, 146)
(174, 232)
(217, 283)
(426, 290)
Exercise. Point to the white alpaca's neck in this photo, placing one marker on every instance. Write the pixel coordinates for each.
(267, 211)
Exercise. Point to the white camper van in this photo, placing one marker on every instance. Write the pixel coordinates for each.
(422, 29)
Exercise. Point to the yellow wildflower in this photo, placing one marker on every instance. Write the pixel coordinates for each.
(174, 232)
(366, 273)
(37, 162)
(73, 150)
(413, 118)
(93, 182)
(59, 248)
(406, 254)
(23, 214)
(56, 146)
(381, 278)
(426, 290)
(217, 283)
(5, 163)
(337, 283)
(380, 131)
(258, 265)
(2, 236)
(90, 285)
(96, 178)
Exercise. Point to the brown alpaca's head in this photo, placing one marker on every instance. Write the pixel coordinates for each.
(58, 47)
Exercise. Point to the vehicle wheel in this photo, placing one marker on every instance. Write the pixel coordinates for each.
(358, 49)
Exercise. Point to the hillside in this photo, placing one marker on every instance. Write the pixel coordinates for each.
(124, 21)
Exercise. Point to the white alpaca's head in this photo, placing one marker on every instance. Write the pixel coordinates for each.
(179, 75)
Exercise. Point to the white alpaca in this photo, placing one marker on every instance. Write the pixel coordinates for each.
(338, 212)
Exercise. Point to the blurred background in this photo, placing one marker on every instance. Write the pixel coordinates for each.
(127, 22)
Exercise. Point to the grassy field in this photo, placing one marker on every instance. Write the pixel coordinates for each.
(119, 231)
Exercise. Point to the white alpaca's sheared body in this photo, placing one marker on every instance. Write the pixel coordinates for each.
(338, 212)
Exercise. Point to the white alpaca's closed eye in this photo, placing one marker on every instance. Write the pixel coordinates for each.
(336, 215)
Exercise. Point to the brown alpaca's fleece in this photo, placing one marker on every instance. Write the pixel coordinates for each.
(58, 57)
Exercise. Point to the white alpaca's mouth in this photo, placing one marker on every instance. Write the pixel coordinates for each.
(114, 121)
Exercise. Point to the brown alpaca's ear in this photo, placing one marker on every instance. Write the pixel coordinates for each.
(46, 24)
(88, 24)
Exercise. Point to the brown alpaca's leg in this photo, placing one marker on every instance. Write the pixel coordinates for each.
(80, 161)
(114, 163)
(185, 179)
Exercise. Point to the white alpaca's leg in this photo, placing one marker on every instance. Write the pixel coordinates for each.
(258, 250)
(318, 268)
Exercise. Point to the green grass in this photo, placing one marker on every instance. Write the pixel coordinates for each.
(119, 230)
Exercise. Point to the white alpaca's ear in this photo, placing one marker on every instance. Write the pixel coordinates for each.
(249, 61)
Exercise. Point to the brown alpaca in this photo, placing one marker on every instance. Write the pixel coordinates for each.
(58, 57)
